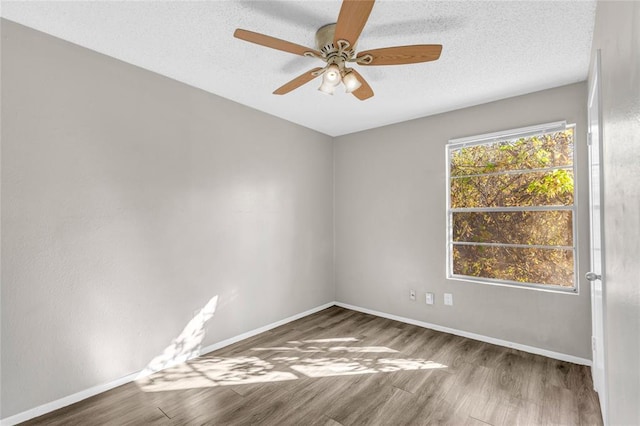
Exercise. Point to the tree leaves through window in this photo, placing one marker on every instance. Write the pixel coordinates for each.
(511, 209)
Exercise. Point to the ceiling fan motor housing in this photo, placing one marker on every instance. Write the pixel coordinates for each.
(333, 54)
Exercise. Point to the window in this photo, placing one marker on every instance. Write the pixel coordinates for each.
(510, 208)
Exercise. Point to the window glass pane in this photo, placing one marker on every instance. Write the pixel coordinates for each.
(526, 265)
(535, 152)
(515, 175)
(554, 187)
(548, 228)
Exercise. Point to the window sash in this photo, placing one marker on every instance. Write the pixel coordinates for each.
(512, 208)
(515, 172)
(539, 246)
(523, 132)
(460, 143)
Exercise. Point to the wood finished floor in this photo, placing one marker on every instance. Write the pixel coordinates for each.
(340, 367)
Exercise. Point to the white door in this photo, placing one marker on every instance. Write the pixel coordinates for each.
(596, 274)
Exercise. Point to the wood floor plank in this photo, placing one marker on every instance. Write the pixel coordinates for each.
(122, 405)
(434, 382)
(363, 403)
(444, 413)
(523, 412)
(559, 407)
(536, 381)
(508, 379)
(492, 409)
(339, 367)
(587, 400)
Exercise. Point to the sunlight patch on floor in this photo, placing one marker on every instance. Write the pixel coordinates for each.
(362, 349)
(304, 346)
(353, 349)
(242, 370)
(325, 367)
(332, 340)
(211, 372)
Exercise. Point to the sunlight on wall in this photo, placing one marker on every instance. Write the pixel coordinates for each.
(187, 345)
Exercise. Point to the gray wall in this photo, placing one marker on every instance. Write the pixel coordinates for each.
(617, 34)
(390, 226)
(129, 200)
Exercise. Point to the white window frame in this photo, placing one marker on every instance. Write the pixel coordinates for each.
(456, 144)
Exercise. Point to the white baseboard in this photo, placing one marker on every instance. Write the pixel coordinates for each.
(87, 393)
(474, 336)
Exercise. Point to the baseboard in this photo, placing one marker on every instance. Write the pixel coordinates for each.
(87, 393)
(474, 336)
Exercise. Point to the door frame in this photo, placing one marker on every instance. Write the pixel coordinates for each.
(596, 143)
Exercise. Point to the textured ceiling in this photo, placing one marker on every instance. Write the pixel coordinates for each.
(492, 50)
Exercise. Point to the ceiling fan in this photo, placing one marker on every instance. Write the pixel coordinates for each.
(336, 46)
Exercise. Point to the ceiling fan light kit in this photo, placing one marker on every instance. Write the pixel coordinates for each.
(336, 58)
(335, 45)
(351, 82)
(330, 79)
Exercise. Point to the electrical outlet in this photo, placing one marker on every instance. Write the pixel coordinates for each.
(429, 298)
(412, 294)
(448, 299)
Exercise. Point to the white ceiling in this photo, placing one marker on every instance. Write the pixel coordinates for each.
(492, 50)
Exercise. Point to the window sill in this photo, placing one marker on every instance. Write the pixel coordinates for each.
(536, 287)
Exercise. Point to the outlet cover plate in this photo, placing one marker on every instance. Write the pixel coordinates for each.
(448, 299)
(430, 298)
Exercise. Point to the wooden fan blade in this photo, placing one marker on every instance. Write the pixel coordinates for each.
(400, 55)
(297, 82)
(272, 42)
(363, 92)
(353, 15)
